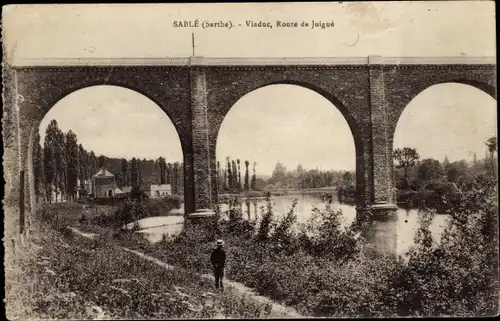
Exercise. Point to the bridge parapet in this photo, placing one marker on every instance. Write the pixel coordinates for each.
(231, 61)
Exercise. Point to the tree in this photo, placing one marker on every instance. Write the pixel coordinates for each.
(101, 161)
(279, 173)
(446, 162)
(225, 184)
(491, 144)
(162, 165)
(54, 158)
(181, 179)
(125, 172)
(82, 155)
(299, 170)
(254, 177)
(406, 158)
(134, 173)
(175, 178)
(229, 174)
(169, 173)
(234, 172)
(61, 161)
(219, 181)
(430, 170)
(55, 141)
(239, 174)
(456, 170)
(38, 164)
(246, 175)
(139, 172)
(347, 178)
(92, 164)
(72, 163)
(50, 167)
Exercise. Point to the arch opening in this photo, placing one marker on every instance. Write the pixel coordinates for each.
(105, 144)
(285, 139)
(440, 144)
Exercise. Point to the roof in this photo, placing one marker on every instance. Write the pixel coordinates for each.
(118, 191)
(160, 187)
(126, 189)
(103, 173)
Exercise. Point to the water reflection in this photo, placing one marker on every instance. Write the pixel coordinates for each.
(382, 235)
(153, 228)
(405, 221)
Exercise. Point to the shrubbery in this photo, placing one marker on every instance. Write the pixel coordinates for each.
(321, 269)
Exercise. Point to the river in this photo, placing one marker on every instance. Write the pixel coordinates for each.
(406, 224)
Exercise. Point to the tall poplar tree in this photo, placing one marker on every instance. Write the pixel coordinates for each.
(72, 164)
(246, 175)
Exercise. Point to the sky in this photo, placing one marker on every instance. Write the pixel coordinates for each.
(457, 120)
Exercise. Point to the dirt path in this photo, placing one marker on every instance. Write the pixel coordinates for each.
(239, 287)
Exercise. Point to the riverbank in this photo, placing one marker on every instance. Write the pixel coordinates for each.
(63, 276)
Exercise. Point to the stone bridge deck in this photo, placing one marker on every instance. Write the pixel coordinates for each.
(284, 61)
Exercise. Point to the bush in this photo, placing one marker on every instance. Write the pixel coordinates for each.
(267, 221)
(322, 271)
(284, 234)
(324, 236)
(458, 277)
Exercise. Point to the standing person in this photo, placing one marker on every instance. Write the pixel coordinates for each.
(218, 260)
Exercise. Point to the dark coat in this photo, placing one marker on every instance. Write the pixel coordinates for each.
(218, 257)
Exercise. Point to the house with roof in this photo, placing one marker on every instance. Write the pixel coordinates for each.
(103, 184)
(160, 190)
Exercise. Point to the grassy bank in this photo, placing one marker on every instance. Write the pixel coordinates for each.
(60, 275)
(321, 271)
(96, 217)
(328, 275)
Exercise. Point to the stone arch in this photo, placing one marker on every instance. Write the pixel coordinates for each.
(478, 86)
(69, 90)
(332, 98)
(37, 115)
(216, 118)
(398, 102)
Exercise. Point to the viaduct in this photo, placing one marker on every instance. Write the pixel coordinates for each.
(197, 92)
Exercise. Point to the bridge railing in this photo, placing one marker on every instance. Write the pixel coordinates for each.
(240, 61)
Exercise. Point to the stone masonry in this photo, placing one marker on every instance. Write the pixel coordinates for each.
(197, 93)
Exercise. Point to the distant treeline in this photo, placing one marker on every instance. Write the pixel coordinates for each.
(62, 162)
(436, 184)
(230, 178)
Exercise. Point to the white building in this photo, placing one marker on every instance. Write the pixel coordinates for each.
(160, 190)
(87, 187)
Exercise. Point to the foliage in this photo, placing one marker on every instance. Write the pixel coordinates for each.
(459, 276)
(406, 158)
(162, 165)
(75, 278)
(322, 270)
(432, 184)
(254, 178)
(246, 186)
(284, 234)
(430, 170)
(324, 236)
(73, 163)
(267, 221)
